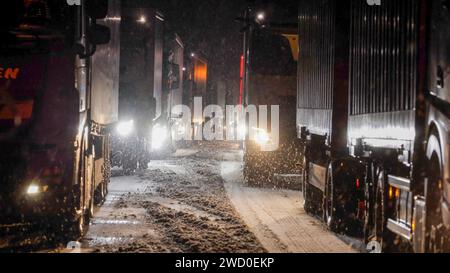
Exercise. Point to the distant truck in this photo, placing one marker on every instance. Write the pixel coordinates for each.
(141, 84)
(151, 75)
(271, 81)
(168, 127)
(373, 112)
(58, 98)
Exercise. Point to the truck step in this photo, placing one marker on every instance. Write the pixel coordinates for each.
(399, 228)
(398, 182)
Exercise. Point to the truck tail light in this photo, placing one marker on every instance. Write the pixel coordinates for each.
(358, 183)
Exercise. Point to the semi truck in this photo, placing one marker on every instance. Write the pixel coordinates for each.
(373, 115)
(168, 129)
(141, 84)
(268, 71)
(151, 74)
(59, 93)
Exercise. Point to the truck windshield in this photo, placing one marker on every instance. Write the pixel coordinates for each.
(35, 19)
(30, 31)
(271, 54)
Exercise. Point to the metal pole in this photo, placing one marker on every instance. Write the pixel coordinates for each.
(247, 45)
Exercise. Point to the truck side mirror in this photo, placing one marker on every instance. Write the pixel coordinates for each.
(99, 34)
(97, 9)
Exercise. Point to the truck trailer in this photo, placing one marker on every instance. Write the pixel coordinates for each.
(151, 75)
(141, 84)
(168, 128)
(373, 114)
(59, 94)
(268, 80)
(271, 82)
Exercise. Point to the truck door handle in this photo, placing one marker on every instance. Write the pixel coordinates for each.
(440, 77)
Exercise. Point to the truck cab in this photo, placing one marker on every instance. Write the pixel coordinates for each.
(431, 210)
(52, 124)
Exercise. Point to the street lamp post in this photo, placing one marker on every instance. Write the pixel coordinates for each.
(248, 31)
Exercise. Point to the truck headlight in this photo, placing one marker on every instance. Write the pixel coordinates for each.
(241, 132)
(36, 189)
(262, 137)
(159, 136)
(125, 128)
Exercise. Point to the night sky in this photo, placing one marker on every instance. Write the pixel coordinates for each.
(208, 28)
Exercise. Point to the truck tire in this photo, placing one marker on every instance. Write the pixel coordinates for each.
(73, 226)
(308, 204)
(332, 213)
(76, 228)
(102, 190)
(304, 177)
(129, 165)
(435, 242)
(382, 235)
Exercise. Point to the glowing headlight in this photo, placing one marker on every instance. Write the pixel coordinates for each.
(125, 128)
(159, 136)
(262, 137)
(241, 132)
(35, 189)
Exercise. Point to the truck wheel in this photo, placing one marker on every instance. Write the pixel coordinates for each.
(331, 212)
(435, 226)
(77, 227)
(101, 192)
(383, 236)
(308, 205)
(72, 226)
(304, 177)
(102, 189)
(129, 166)
(91, 208)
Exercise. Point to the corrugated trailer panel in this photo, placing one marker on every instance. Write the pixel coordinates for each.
(316, 65)
(323, 70)
(383, 76)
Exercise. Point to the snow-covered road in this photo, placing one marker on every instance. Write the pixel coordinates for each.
(177, 205)
(277, 217)
(195, 201)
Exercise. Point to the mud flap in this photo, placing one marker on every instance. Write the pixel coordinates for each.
(419, 223)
